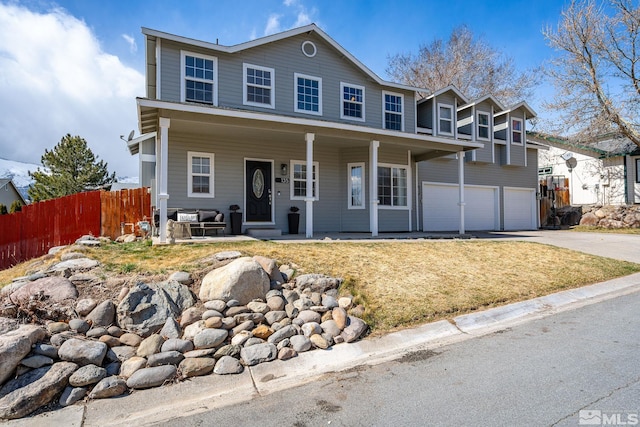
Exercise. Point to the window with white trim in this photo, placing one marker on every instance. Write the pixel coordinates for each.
(516, 131)
(298, 171)
(483, 125)
(308, 92)
(199, 78)
(445, 119)
(392, 111)
(637, 170)
(356, 185)
(352, 97)
(258, 86)
(200, 174)
(392, 185)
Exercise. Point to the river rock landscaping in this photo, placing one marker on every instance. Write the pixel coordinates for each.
(72, 332)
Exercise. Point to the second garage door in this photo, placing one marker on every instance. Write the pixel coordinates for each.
(440, 210)
(520, 208)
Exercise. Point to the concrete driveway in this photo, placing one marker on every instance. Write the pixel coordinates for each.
(619, 246)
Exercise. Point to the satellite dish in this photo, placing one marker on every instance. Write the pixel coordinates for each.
(566, 156)
(129, 138)
(571, 163)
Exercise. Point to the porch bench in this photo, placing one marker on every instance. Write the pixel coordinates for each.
(202, 221)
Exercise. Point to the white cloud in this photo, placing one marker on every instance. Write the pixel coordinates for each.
(290, 2)
(273, 24)
(133, 47)
(303, 19)
(56, 79)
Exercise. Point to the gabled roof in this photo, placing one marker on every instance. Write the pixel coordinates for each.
(450, 88)
(4, 182)
(274, 38)
(520, 105)
(609, 145)
(498, 107)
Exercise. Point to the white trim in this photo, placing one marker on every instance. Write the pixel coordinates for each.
(451, 120)
(342, 101)
(316, 166)
(309, 43)
(245, 85)
(296, 76)
(384, 110)
(350, 205)
(488, 126)
(183, 77)
(374, 146)
(301, 121)
(408, 187)
(512, 130)
(158, 68)
(190, 174)
(244, 192)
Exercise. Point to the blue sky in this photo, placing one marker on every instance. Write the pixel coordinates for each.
(76, 66)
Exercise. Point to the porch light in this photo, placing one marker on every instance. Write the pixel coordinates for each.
(283, 169)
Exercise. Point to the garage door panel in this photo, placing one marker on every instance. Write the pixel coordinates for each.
(442, 213)
(520, 209)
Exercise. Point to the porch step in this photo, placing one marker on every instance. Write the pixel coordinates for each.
(264, 232)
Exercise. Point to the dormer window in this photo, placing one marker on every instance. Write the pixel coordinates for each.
(483, 125)
(258, 86)
(445, 119)
(199, 78)
(516, 131)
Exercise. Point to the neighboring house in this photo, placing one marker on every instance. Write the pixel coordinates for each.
(245, 124)
(606, 172)
(9, 193)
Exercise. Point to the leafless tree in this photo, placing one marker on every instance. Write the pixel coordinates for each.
(467, 62)
(596, 72)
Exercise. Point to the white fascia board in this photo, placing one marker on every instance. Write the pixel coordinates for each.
(251, 115)
(275, 37)
(450, 88)
(489, 98)
(520, 105)
(134, 144)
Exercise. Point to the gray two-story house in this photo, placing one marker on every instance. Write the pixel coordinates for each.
(293, 119)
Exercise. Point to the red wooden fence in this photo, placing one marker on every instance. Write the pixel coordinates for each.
(43, 225)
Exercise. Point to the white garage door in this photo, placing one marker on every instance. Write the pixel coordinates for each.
(520, 211)
(440, 210)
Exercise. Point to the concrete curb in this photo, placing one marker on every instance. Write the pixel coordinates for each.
(200, 394)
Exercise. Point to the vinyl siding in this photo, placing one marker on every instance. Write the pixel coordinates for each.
(286, 58)
(484, 155)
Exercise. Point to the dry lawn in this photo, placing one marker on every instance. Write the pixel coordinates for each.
(400, 283)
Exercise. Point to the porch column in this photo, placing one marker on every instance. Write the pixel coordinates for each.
(309, 137)
(162, 157)
(373, 187)
(461, 189)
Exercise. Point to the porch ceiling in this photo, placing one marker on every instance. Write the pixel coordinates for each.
(245, 125)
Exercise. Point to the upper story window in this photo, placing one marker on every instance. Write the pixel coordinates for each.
(483, 125)
(308, 92)
(200, 174)
(392, 185)
(299, 180)
(352, 102)
(516, 131)
(258, 86)
(445, 119)
(199, 78)
(392, 109)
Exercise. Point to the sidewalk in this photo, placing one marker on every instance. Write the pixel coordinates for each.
(167, 404)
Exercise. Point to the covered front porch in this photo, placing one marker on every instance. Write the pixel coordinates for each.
(362, 180)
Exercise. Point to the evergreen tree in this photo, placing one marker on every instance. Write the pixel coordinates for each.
(3, 209)
(69, 168)
(16, 206)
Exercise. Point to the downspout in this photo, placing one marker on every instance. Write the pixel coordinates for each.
(409, 194)
(461, 189)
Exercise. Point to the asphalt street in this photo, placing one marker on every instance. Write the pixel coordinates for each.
(539, 373)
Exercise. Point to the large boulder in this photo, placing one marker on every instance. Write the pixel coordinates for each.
(103, 314)
(317, 282)
(589, 219)
(53, 289)
(34, 389)
(15, 345)
(243, 280)
(83, 352)
(146, 308)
